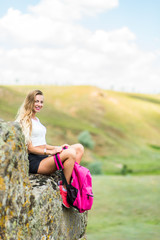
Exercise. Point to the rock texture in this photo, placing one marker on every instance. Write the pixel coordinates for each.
(30, 205)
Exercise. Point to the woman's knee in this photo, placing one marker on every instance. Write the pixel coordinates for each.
(79, 148)
(72, 153)
(68, 154)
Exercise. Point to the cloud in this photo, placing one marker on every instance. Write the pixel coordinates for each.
(48, 45)
(71, 9)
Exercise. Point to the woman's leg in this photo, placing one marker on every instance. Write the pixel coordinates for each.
(67, 156)
(79, 151)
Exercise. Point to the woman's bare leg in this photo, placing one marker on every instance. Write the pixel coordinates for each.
(79, 151)
(47, 166)
(68, 157)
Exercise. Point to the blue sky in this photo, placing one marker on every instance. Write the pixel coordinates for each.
(21, 5)
(106, 43)
(142, 17)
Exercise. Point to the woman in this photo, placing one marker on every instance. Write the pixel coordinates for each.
(40, 154)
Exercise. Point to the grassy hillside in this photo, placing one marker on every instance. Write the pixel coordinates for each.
(125, 127)
(125, 208)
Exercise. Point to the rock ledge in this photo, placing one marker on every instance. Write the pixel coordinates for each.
(31, 205)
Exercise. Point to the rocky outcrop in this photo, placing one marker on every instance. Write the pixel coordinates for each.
(30, 205)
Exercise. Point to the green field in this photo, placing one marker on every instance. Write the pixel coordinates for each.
(124, 126)
(125, 208)
(126, 130)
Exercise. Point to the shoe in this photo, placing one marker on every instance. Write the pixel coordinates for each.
(59, 182)
(64, 196)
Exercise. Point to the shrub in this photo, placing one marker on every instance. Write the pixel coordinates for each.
(85, 139)
(95, 168)
(125, 170)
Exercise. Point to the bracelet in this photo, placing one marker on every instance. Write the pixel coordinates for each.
(45, 151)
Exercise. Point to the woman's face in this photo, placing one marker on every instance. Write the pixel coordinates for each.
(38, 103)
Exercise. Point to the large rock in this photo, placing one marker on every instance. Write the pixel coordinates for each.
(30, 205)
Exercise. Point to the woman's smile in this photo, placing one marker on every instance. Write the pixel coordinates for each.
(39, 100)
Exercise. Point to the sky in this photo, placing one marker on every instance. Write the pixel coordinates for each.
(111, 44)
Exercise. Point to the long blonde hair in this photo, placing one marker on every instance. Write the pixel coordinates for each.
(25, 112)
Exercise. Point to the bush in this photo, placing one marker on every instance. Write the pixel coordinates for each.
(125, 170)
(85, 139)
(95, 168)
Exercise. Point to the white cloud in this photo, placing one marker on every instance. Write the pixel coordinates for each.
(71, 9)
(47, 45)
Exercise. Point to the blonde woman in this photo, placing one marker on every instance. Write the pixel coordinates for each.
(40, 154)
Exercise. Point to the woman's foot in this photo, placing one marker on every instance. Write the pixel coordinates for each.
(63, 193)
(59, 182)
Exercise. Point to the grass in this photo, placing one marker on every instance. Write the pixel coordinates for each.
(125, 208)
(125, 127)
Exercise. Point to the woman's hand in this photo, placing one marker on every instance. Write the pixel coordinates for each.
(65, 145)
(55, 150)
(58, 149)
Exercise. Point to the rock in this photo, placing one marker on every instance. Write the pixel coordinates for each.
(30, 205)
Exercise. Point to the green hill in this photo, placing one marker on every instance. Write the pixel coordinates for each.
(125, 127)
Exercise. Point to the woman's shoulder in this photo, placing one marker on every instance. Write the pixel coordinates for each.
(36, 119)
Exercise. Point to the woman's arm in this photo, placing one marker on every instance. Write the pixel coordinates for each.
(50, 147)
(44, 149)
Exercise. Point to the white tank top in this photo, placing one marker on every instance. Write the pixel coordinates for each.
(38, 136)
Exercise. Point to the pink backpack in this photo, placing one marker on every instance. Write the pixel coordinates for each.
(79, 191)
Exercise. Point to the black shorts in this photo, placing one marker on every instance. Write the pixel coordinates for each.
(34, 161)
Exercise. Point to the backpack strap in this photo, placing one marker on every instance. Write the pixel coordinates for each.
(60, 167)
(58, 162)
